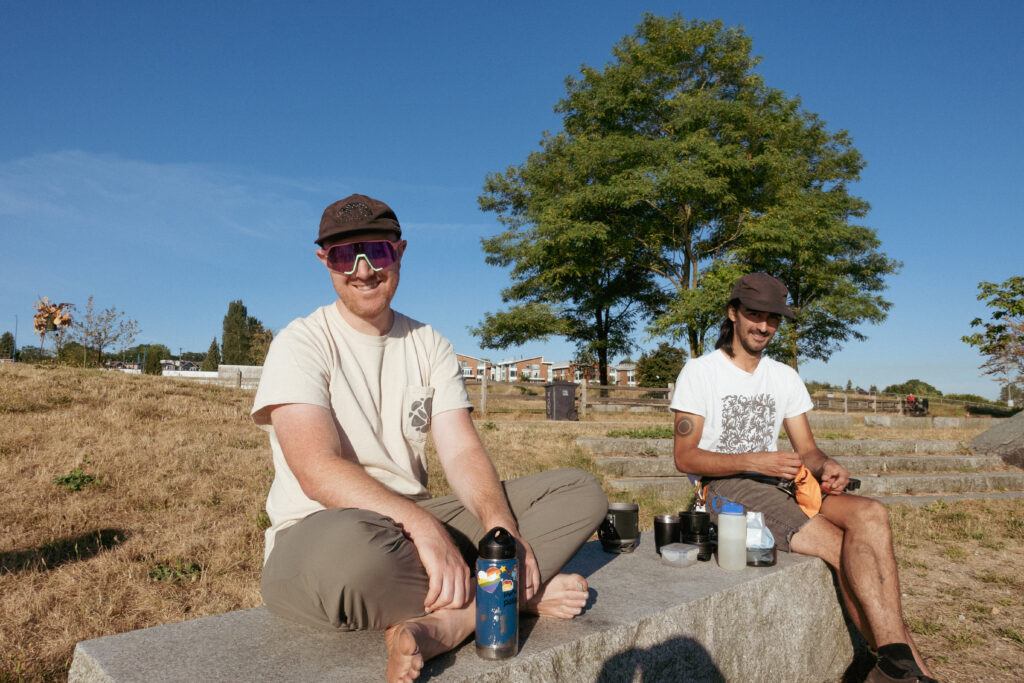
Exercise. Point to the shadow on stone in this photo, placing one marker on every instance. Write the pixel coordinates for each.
(678, 659)
(590, 558)
(57, 552)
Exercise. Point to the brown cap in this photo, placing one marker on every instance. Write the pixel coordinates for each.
(762, 292)
(356, 214)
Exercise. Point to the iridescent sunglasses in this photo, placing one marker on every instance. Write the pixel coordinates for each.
(378, 254)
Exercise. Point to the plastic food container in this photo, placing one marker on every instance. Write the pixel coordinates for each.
(679, 554)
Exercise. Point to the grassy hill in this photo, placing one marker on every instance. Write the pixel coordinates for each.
(130, 501)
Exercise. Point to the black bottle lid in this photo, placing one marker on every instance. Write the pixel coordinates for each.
(497, 544)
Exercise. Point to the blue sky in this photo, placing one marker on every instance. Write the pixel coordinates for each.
(168, 158)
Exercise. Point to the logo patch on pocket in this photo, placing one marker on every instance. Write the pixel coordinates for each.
(419, 414)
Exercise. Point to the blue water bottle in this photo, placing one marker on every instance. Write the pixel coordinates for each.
(497, 596)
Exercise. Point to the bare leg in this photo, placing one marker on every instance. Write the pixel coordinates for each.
(821, 538)
(563, 597)
(411, 643)
(866, 565)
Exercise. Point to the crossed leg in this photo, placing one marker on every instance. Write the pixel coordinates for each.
(853, 536)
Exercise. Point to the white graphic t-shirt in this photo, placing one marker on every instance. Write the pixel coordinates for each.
(383, 392)
(742, 411)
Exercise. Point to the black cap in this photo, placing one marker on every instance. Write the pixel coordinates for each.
(497, 544)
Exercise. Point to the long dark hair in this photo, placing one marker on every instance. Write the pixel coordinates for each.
(725, 329)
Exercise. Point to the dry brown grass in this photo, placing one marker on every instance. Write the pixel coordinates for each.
(962, 585)
(171, 528)
(180, 474)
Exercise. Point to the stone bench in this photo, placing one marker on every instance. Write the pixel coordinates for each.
(645, 621)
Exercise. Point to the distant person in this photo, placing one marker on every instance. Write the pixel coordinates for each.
(348, 396)
(729, 406)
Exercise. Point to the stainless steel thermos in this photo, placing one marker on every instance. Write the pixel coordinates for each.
(497, 596)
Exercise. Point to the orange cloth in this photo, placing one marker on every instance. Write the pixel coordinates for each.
(808, 492)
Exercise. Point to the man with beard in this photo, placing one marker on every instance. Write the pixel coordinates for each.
(348, 396)
(729, 406)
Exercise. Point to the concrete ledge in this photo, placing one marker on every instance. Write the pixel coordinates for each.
(663, 447)
(822, 421)
(645, 621)
(957, 422)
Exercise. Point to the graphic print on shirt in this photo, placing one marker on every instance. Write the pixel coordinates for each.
(419, 414)
(748, 424)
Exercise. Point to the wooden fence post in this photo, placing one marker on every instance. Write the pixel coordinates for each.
(483, 393)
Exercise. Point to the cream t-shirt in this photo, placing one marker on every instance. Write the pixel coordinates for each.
(383, 392)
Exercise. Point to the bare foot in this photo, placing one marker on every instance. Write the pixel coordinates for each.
(563, 596)
(413, 642)
(404, 657)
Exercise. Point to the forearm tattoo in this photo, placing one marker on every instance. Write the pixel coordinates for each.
(684, 426)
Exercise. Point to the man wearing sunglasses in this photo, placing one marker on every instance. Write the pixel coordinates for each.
(348, 396)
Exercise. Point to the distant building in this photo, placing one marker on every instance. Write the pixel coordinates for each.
(534, 369)
(571, 371)
(473, 368)
(623, 374)
(180, 365)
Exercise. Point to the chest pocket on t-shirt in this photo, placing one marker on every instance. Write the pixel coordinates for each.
(416, 413)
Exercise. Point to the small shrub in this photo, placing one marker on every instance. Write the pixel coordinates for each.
(488, 426)
(955, 553)
(923, 626)
(963, 639)
(76, 479)
(992, 577)
(1012, 634)
(174, 569)
(262, 520)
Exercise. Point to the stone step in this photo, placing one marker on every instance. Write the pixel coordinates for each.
(639, 466)
(834, 447)
(644, 621)
(872, 486)
(928, 500)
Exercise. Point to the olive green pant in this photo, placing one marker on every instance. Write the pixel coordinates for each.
(353, 569)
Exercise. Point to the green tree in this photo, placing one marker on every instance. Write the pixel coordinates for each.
(912, 386)
(98, 330)
(150, 355)
(7, 345)
(245, 340)
(660, 366)
(33, 354)
(234, 347)
(212, 360)
(676, 159)
(259, 341)
(571, 276)
(1001, 340)
(968, 398)
(74, 354)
